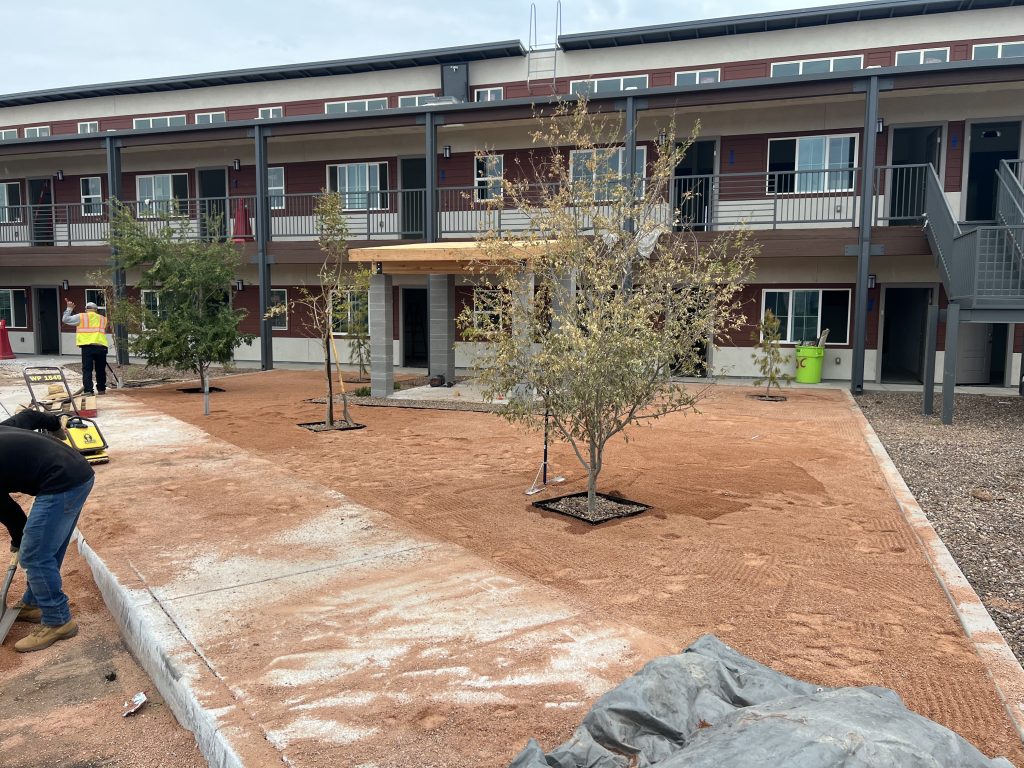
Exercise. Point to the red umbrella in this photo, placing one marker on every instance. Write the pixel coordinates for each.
(242, 231)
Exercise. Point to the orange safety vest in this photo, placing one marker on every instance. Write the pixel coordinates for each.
(92, 329)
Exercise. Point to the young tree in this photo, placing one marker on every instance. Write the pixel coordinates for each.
(191, 325)
(596, 300)
(769, 357)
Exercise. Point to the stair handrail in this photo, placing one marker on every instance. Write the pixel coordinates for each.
(955, 250)
(1010, 204)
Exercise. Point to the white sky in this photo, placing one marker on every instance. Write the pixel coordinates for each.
(54, 43)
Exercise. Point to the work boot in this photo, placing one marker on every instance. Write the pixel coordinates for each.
(46, 636)
(30, 613)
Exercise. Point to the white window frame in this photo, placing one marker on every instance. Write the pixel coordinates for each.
(489, 186)
(382, 103)
(209, 118)
(152, 209)
(788, 331)
(371, 194)
(489, 308)
(496, 93)
(91, 199)
(90, 126)
(997, 46)
(276, 191)
(9, 134)
(699, 73)
(830, 59)
(10, 213)
(593, 81)
(10, 302)
(349, 302)
(417, 99)
(282, 318)
(641, 167)
(920, 56)
(267, 113)
(142, 298)
(147, 122)
(98, 297)
(826, 171)
(37, 132)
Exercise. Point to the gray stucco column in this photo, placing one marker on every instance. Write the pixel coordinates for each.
(564, 292)
(949, 361)
(382, 332)
(441, 347)
(931, 342)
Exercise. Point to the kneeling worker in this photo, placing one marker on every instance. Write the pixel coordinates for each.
(60, 479)
(91, 338)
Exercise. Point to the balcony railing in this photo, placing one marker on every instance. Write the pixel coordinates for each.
(759, 201)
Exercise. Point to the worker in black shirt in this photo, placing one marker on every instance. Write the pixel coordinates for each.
(60, 479)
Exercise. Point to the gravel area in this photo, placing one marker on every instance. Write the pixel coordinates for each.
(969, 479)
(605, 508)
(429, 405)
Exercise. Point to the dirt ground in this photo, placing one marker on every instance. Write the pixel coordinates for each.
(59, 709)
(771, 528)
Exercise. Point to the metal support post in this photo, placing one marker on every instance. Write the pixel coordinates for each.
(931, 343)
(430, 194)
(860, 317)
(949, 361)
(262, 258)
(113, 148)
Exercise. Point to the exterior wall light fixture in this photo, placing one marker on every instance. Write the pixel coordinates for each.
(60, 175)
(239, 284)
(872, 281)
(880, 125)
(236, 164)
(446, 150)
(64, 284)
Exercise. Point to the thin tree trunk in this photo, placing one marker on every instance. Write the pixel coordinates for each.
(204, 381)
(341, 383)
(592, 471)
(329, 415)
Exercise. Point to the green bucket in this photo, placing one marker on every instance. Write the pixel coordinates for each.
(808, 364)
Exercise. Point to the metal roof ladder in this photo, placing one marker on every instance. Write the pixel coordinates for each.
(542, 59)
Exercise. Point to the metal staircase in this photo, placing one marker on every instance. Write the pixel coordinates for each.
(542, 59)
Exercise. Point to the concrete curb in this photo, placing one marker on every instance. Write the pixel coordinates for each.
(145, 628)
(1001, 665)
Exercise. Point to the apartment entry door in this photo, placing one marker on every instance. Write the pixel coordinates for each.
(40, 201)
(915, 145)
(903, 334)
(412, 173)
(47, 321)
(990, 143)
(213, 203)
(414, 327)
(692, 186)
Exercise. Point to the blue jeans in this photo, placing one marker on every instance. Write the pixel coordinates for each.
(43, 545)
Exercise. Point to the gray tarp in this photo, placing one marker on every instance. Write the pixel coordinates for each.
(711, 707)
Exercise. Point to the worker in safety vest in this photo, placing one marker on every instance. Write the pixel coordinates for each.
(91, 337)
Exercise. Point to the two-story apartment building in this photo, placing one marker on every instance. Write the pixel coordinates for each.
(873, 148)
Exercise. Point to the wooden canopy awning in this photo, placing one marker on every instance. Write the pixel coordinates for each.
(438, 258)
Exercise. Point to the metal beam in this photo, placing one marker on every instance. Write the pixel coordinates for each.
(631, 169)
(949, 361)
(113, 150)
(860, 318)
(931, 343)
(430, 194)
(262, 238)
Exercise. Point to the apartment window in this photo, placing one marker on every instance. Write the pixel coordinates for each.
(151, 303)
(161, 193)
(489, 94)
(417, 100)
(811, 164)
(98, 297)
(998, 51)
(9, 134)
(359, 105)
(164, 121)
(602, 168)
(13, 307)
(490, 170)
(279, 298)
(698, 77)
(10, 203)
(275, 187)
(817, 66)
(362, 185)
(803, 314)
(925, 56)
(608, 84)
(91, 126)
(37, 131)
(486, 309)
(92, 195)
(205, 118)
(270, 113)
(352, 317)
